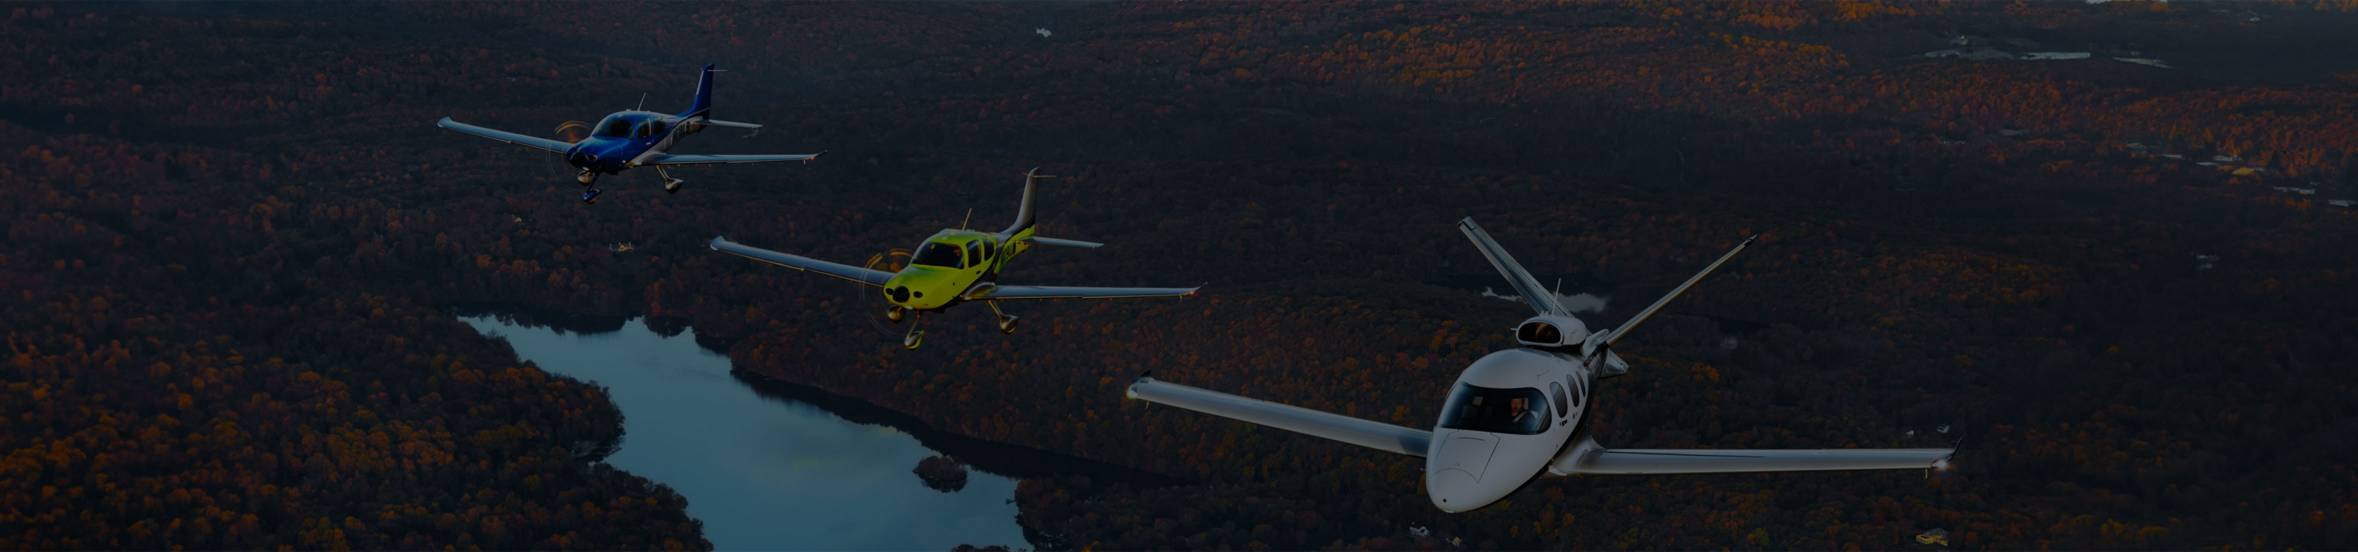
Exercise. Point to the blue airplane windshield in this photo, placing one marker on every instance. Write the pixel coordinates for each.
(613, 126)
(1521, 411)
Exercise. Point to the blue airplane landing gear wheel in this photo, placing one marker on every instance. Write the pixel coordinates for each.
(587, 177)
(670, 185)
(590, 197)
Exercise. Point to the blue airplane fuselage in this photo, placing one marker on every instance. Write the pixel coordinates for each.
(619, 139)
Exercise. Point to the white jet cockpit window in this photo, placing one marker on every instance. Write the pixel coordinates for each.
(940, 254)
(613, 126)
(1539, 333)
(1520, 411)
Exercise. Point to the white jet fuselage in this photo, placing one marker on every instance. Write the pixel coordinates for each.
(1509, 416)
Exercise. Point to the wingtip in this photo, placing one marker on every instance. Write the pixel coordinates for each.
(1131, 391)
(445, 122)
(715, 242)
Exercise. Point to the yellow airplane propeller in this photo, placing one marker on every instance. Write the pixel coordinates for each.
(890, 261)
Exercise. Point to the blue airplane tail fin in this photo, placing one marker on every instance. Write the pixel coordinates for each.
(703, 104)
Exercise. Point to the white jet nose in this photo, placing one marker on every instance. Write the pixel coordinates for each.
(1451, 490)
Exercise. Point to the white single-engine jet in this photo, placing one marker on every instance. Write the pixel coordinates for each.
(1515, 415)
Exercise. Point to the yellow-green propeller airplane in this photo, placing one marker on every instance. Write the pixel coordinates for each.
(954, 266)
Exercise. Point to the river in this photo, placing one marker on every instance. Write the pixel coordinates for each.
(765, 471)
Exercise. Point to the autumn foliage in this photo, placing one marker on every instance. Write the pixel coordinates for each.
(235, 241)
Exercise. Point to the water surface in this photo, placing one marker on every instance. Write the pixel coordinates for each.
(765, 472)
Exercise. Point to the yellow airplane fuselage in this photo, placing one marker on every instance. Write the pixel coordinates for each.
(947, 266)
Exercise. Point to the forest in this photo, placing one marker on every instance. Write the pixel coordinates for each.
(2091, 245)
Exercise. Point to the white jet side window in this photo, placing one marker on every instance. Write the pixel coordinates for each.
(1558, 388)
(1582, 395)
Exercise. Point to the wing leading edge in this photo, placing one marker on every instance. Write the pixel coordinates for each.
(1010, 293)
(1590, 459)
(677, 159)
(534, 142)
(862, 275)
(1367, 433)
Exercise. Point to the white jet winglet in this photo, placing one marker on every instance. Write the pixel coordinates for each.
(870, 277)
(534, 142)
(1590, 459)
(1367, 433)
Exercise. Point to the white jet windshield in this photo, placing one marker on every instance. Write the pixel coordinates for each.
(1520, 411)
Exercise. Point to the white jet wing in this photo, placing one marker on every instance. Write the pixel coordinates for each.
(993, 292)
(1367, 433)
(1540, 298)
(674, 159)
(848, 272)
(1590, 459)
(534, 142)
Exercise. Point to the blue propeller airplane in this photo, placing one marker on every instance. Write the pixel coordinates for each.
(635, 138)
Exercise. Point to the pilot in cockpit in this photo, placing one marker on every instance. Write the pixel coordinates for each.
(1519, 411)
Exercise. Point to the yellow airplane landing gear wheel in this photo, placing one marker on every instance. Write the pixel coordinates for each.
(1006, 321)
(914, 339)
(894, 314)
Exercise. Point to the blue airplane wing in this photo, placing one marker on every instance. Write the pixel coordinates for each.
(544, 144)
(672, 159)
